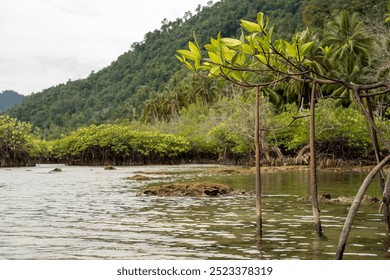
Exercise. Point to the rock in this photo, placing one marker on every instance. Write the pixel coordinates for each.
(366, 198)
(158, 172)
(343, 199)
(224, 171)
(139, 178)
(109, 167)
(56, 170)
(191, 189)
(150, 192)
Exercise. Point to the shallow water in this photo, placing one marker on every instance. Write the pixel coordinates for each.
(92, 213)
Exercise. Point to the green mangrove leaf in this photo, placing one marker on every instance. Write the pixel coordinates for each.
(250, 26)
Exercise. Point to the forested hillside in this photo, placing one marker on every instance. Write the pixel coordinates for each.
(120, 90)
(9, 98)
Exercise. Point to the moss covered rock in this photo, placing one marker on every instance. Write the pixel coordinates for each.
(139, 178)
(190, 189)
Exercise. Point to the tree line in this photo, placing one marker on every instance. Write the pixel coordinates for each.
(121, 90)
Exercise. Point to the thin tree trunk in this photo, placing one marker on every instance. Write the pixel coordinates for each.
(386, 202)
(381, 177)
(313, 165)
(361, 108)
(355, 206)
(257, 155)
(375, 144)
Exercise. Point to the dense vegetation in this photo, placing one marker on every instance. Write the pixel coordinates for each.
(18, 142)
(320, 64)
(115, 144)
(119, 91)
(145, 108)
(222, 133)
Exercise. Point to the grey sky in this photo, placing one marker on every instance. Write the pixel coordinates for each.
(47, 42)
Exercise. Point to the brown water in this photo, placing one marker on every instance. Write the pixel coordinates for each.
(91, 213)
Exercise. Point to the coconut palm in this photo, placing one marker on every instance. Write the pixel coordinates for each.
(350, 43)
(150, 110)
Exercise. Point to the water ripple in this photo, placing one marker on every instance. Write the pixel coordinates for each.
(89, 213)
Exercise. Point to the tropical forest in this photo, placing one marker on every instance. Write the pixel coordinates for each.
(240, 84)
(147, 90)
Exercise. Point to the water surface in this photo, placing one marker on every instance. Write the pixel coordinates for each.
(92, 213)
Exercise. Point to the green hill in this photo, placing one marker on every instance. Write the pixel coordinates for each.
(118, 91)
(9, 98)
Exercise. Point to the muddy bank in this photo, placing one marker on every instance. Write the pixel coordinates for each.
(203, 189)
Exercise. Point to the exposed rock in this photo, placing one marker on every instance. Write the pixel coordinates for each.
(138, 178)
(366, 198)
(224, 171)
(191, 189)
(344, 199)
(109, 167)
(158, 172)
(56, 170)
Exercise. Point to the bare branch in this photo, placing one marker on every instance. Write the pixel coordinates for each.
(375, 93)
(286, 126)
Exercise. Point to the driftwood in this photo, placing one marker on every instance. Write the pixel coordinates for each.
(355, 206)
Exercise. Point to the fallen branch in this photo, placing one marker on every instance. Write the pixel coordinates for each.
(355, 206)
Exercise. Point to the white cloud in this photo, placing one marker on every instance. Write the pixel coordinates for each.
(46, 42)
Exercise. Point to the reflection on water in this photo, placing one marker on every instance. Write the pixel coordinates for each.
(91, 213)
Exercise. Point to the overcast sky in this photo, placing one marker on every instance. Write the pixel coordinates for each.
(47, 42)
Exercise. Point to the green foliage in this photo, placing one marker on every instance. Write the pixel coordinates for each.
(194, 125)
(9, 98)
(185, 115)
(119, 91)
(117, 143)
(340, 131)
(224, 130)
(290, 132)
(257, 59)
(177, 95)
(316, 13)
(17, 141)
(350, 44)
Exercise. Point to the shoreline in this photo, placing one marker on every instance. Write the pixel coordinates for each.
(225, 168)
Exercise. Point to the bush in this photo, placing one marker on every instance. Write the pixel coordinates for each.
(340, 131)
(17, 141)
(117, 143)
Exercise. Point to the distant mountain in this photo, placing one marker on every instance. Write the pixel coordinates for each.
(118, 91)
(9, 98)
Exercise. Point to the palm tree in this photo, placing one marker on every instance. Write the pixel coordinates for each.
(205, 89)
(150, 109)
(352, 47)
(350, 43)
